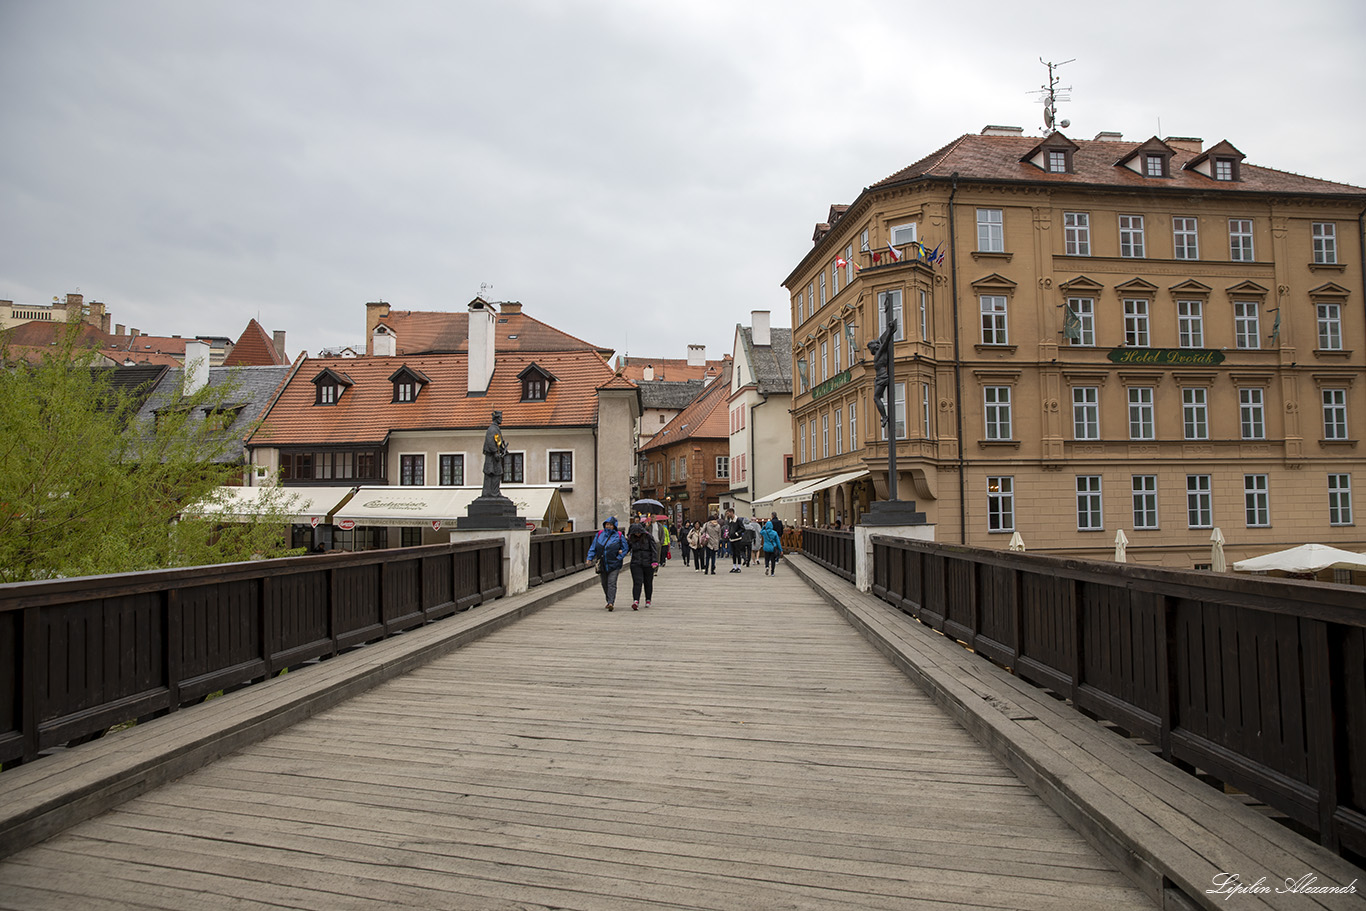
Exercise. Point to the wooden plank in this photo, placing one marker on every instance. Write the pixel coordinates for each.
(734, 745)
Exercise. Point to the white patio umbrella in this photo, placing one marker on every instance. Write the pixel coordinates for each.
(1307, 558)
(1216, 551)
(1016, 542)
(1121, 547)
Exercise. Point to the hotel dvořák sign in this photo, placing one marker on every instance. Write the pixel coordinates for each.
(1167, 357)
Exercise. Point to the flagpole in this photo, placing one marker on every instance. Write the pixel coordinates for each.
(890, 354)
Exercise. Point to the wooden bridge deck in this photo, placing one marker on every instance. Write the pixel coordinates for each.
(737, 745)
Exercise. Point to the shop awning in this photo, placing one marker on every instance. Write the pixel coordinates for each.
(442, 507)
(304, 505)
(803, 490)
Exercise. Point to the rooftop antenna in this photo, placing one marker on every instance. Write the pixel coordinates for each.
(1051, 94)
(484, 288)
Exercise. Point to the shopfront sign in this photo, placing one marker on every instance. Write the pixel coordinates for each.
(1166, 357)
(831, 384)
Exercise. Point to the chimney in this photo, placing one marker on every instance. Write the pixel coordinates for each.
(375, 311)
(482, 333)
(1108, 137)
(133, 333)
(697, 355)
(1186, 143)
(280, 344)
(993, 129)
(118, 329)
(648, 373)
(383, 343)
(763, 335)
(507, 307)
(196, 366)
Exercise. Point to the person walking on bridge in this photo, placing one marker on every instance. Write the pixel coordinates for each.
(609, 545)
(644, 562)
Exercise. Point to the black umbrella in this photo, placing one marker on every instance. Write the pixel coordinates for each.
(654, 507)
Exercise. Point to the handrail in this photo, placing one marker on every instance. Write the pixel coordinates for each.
(78, 656)
(1259, 682)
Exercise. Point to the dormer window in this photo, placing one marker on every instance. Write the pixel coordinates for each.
(408, 384)
(1224, 168)
(1057, 161)
(1220, 162)
(1155, 165)
(1150, 159)
(536, 382)
(330, 385)
(1053, 155)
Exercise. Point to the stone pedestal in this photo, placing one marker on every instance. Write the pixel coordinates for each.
(863, 546)
(491, 513)
(516, 553)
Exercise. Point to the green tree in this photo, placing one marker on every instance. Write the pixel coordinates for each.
(86, 490)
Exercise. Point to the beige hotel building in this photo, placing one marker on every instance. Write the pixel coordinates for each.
(1094, 336)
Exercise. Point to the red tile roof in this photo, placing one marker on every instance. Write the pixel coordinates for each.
(675, 369)
(977, 157)
(432, 332)
(254, 349)
(366, 412)
(708, 417)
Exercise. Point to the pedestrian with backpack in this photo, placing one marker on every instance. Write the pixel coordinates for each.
(773, 549)
(609, 549)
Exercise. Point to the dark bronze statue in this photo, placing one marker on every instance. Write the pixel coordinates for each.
(495, 454)
(881, 348)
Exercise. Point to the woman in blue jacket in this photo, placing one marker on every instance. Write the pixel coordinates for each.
(773, 549)
(610, 545)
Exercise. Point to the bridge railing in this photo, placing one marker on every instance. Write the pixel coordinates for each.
(832, 549)
(1259, 682)
(78, 656)
(553, 556)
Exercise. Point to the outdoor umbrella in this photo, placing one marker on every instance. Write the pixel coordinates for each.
(654, 507)
(1307, 558)
(1216, 551)
(1121, 547)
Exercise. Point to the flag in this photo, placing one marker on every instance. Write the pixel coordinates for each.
(1276, 327)
(1071, 324)
(896, 254)
(840, 262)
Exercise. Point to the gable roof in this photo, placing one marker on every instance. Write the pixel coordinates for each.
(668, 395)
(440, 332)
(706, 418)
(366, 413)
(672, 369)
(771, 365)
(253, 390)
(254, 348)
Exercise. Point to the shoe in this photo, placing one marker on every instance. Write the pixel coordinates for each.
(635, 605)
(647, 603)
(609, 607)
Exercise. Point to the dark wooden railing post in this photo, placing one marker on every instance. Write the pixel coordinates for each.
(34, 659)
(172, 649)
(1320, 670)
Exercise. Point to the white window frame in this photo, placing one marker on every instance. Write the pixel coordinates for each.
(1334, 414)
(1090, 503)
(801, 442)
(1256, 501)
(1190, 324)
(995, 319)
(722, 468)
(1142, 424)
(1000, 504)
(837, 345)
(898, 413)
(1330, 326)
(996, 413)
(1086, 412)
(1247, 325)
(1131, 237)
(1325, 234)
(897, 314)
(1339, 498)
(849, 265)
(801, 316)
(825, 435)
(834, 278)
(1240, 240)
(825, 360)
(1076, 233)
(1252, 413)
(550, 461)
(1199, 501)
(1195, 412)
(422, 460)
(824, 298)
(839, 431)
(853, 426)
(1185, 237)
(898, 234)
(1137, 331)
(1144, 487)
(1084, 309)
(925, 409)
(991, 237)
(924, 317)
(440, 456)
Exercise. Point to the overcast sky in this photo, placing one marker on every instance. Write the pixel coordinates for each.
(639, 173)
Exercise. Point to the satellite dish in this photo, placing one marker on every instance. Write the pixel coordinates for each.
(1064, 123)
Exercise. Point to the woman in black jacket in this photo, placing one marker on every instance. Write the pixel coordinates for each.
(644, 562)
